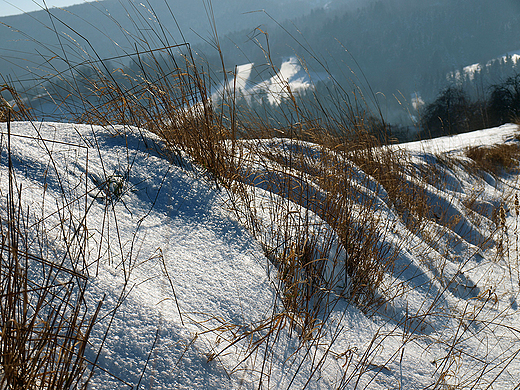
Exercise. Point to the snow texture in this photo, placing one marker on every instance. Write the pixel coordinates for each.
(179, 274)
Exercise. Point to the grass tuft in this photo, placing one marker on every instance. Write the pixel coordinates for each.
(495, 159)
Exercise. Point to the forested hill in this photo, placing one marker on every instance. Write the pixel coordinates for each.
(398, 44)
(395, 48)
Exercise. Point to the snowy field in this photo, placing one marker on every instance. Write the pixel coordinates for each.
(180, 279)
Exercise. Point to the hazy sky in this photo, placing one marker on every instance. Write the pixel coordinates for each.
(13, 7)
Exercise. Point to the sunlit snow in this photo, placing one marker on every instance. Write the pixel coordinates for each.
(160, 236)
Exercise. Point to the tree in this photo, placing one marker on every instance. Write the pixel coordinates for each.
(448, 114)
(504, 102)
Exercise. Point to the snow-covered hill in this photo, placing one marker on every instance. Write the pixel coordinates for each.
(188, 293)
(469, 71)
(290, 78)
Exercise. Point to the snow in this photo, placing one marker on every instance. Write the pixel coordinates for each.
(471, 70)
(457, 143)
(290, 78)
(185, 275)
(215, 266)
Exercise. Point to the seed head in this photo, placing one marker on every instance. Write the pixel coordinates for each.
(502, 216)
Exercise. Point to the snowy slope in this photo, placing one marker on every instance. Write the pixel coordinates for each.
(470, 70)
(457, 143)
(163, 212)
(184, 275)
(290, 78)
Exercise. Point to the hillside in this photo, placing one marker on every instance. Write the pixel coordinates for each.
(175, 219)
(190, 300)
(394, 48)
(383, 53)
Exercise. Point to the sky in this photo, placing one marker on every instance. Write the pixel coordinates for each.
(14, 7)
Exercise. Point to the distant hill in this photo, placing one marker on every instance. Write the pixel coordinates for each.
(398, 47)
(113, 27)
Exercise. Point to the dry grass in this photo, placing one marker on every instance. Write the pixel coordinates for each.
(495, 159)
(322, 229)
(14, 108)
(44, 324)
(170, 97)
